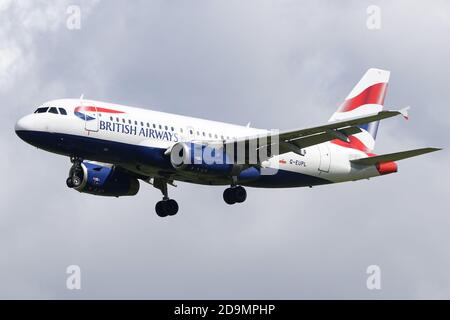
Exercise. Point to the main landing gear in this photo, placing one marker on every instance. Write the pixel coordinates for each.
(75, 178)
(235, 194)
(165, 207)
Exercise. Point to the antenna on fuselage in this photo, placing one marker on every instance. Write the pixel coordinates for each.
(248, 125)
(81, 99)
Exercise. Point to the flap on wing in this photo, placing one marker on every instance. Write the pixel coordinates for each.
(325, 136)
(338, 125)
(393, 156)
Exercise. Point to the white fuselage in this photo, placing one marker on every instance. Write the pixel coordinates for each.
(112, 132)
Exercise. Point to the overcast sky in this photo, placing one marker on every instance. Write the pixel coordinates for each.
(279, 64)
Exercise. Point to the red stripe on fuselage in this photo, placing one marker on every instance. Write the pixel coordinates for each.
(96, 109)
(382, 167)
(372, 95)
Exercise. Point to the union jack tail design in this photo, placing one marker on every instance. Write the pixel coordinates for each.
(366, 97)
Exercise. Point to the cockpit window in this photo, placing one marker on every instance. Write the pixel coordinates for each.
(53, 110)
(62, 111)
(41, 110)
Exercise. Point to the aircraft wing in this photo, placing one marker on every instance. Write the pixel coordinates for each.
(295, 140)
(393, 156)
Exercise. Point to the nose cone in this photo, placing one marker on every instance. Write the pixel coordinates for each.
(23, 127)
(21, 124)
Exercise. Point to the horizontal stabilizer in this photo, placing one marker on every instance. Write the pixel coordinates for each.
(393, 156)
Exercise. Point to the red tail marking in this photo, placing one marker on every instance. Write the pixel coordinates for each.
(372, 95)
(354, 143)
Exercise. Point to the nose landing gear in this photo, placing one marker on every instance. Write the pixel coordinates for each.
(75, 178)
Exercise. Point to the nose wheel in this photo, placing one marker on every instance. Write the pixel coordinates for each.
(75, 174)
(234, 195)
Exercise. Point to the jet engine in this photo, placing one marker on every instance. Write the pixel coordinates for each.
(103, 180)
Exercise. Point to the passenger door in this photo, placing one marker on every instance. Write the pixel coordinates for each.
(91, 118)
(325, 157)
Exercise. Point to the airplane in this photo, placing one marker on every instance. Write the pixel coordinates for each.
(113, 147)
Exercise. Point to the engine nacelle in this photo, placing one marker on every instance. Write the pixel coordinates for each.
(107, 181)
(205, 159)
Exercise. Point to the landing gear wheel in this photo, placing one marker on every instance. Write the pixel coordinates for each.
(161, 209)
(166, 208)
(69, 182)
(76, 181)
(76, 174)
(172, 207)
(228, 196)
(240, 195)
(234, 195)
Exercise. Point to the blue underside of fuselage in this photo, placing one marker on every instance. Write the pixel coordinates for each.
(134, 155)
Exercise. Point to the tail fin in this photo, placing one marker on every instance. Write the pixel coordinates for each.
(366, 97)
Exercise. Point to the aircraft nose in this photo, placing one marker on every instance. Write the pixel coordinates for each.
(23, 126)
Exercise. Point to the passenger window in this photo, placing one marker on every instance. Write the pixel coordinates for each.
(62, 111)
(111, 118)
(215, 136)
(135, 122)
(129, 121)
(191, 132)
(181, 130)
(172, 128)
(204, 134)
(210, 135)
(123, 120)
(160, 126)
(154, 126)
(148, 125)
(142, 124)
(41, 110)
(117, 119)
(166, 128)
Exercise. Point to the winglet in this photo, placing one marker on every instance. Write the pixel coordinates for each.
(404, 112)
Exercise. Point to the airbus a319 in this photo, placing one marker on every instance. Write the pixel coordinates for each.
(113, 147)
